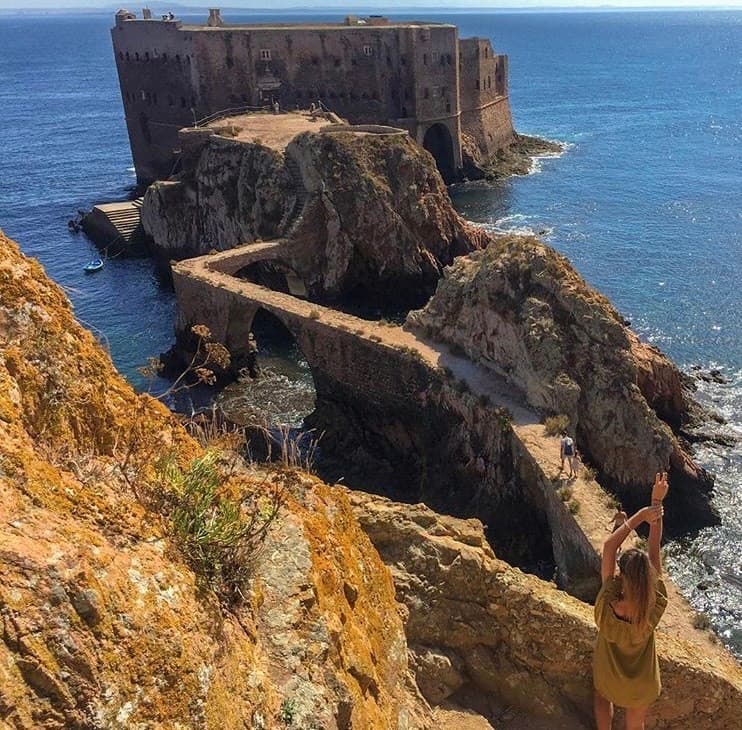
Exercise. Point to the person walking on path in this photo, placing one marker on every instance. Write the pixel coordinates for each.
(567, 451)
(628, 608)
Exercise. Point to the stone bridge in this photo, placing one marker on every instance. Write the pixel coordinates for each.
(451, 433)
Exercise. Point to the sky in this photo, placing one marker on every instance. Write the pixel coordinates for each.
(345, 5)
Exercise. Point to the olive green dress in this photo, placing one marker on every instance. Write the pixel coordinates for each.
(625, 668)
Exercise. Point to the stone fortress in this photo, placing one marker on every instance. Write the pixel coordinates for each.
(449, 93)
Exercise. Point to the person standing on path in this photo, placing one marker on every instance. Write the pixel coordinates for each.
(567, 451)
(628, 608)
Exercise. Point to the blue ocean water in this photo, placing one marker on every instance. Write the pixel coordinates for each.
(645, 202)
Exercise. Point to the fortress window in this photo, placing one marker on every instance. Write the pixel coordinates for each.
(188, 60)
(425, 59)
(389, 61)
(448, 59)
(489, 82)
(164, 56)
(448, 106)
(426, 93)
(265, 54)
(477, 84)
(404, 112)
(154, 98)
(315, 61)
(486, 52)
(146, 55)
(177, 57)
(182, 102)
(136, 56)
(127, 55)
(403, 60)
(337, 63)
(368, 51)
(230, 61)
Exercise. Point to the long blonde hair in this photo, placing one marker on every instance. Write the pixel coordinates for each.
(638, 581)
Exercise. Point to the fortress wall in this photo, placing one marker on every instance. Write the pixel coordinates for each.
(361, 73)
(491, 127)
(156, 70)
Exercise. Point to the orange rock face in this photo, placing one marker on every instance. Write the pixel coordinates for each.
(104, 625)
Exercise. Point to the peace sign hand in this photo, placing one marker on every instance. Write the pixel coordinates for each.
(660, 488)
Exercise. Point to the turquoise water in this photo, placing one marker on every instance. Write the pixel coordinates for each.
(645, 202)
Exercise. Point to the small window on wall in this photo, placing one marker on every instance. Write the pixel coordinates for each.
(265, 54)
(448, 106)
(426, 93)
(477, 84)
(489, 82)
(182, 102)
(368, 51)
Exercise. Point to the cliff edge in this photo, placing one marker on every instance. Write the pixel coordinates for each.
(520, 309)
(366, 208)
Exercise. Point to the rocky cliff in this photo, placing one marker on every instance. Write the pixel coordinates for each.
(104, 623)
(368, 211)
(521, 309)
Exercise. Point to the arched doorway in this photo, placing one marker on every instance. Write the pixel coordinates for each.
(438, 142)
(280, 392)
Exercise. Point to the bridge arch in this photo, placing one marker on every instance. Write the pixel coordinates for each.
(276, 386)
(439, 143)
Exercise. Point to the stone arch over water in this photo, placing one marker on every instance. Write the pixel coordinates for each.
(438, 142)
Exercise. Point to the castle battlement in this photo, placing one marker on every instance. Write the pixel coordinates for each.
(445, 91)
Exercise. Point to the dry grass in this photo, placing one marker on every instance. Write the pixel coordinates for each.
(556, 425)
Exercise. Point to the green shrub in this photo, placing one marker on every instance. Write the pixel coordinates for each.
(701, 621)
(217, 533)
(556, 425)
(314, 314)
(565, 493)
(574, 506)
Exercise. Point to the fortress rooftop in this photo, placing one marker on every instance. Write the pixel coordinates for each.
(215, 22)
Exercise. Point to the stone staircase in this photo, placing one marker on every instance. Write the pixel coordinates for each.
(291, 221)
(116, 226)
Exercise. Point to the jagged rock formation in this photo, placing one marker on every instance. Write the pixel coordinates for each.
(104, 626)
(369, 212)
(520, 309)
(486, 635)
(514, 158)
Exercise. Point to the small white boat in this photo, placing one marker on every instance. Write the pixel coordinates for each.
(94, 265)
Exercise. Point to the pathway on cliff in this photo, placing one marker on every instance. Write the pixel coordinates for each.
(595, 509)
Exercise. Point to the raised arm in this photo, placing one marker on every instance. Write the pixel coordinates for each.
(659, 491)
(611, 545)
